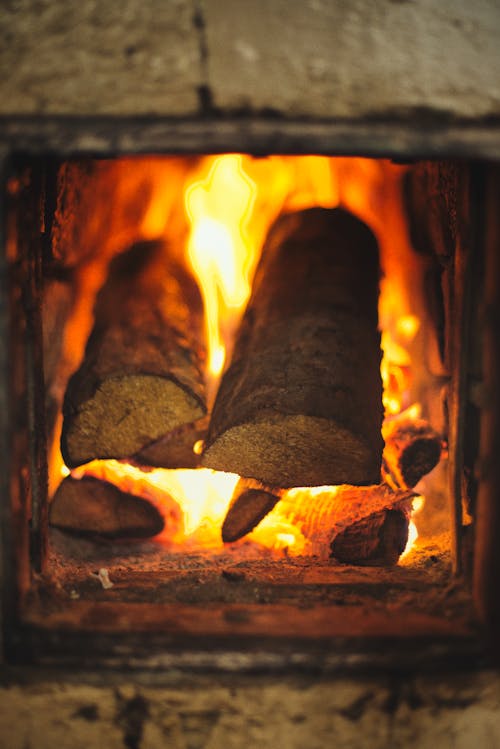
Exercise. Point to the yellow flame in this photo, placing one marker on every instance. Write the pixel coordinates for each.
(407, 326)
(416, 507)
(201, 496)
(220, 252)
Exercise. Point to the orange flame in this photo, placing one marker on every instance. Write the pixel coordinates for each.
(417, 505)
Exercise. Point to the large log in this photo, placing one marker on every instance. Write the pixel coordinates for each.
(301, 403)
(94, 508)
(141, 374)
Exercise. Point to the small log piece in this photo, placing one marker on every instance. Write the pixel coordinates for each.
(376, 541)
(94, 508)
(412, 449)
(141, 375)
(301, 403)
(328, 514)
(251, 502)
(175, 449)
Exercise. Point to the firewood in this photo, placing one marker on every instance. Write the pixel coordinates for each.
(412, 449)
(250, 503)
(325, 515)
(94, 508)
(175, 449)
(140, 378)
(301, 403)
(355, 525)
(376, 541)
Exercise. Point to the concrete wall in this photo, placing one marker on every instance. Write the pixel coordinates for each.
(309, 58)
(456, 712)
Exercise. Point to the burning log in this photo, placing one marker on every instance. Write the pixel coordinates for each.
(355, 525)
(412, 449)
(141, 374)
(376, 541)
(251, 502)
(301, 403)
(351, 523)
(95, 508)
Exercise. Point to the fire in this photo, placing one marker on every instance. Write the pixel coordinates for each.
(199, 498)
(220, 251)
(417, 505)
(230, 203)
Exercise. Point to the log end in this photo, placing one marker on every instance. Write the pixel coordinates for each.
(123, 415)
(376, 541)
(175, 450)
(420, 458)
(245, 512)
(295, 450)
(94, 508)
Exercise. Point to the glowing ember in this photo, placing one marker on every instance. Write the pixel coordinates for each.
(201, 497)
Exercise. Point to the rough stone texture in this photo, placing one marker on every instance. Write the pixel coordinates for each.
(460, 711)
(314, 58)
(92, 57)
(354, 59)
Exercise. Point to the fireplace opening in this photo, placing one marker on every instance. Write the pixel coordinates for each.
(239, 392)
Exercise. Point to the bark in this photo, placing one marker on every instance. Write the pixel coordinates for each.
(412, 449)
(251, 503)
(141, 374)
(95, 508)
(301, 403)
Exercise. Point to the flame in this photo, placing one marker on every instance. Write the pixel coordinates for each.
(219, 249)
(417, 505)
(198, 498)
(229, 203)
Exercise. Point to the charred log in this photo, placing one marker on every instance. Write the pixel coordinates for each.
(355, 525)
(376, 541)
(301, 403)
(251, 502)
(141, 374)
(94, 508)
(412, 449)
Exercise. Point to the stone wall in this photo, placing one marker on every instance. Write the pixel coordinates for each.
(460, 711)
(314, 58)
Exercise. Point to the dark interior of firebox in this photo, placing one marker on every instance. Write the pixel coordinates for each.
(243, 382)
